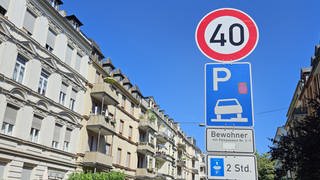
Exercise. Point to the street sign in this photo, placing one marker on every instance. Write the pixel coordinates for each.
(227, 35)
(229, 140)
(228, 98)
(232, 167)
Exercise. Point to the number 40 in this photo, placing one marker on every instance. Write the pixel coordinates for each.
(222, 39)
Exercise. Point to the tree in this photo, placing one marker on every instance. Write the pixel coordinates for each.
(265, 166)
(298, 151)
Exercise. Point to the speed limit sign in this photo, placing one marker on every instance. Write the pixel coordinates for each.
(227, 35)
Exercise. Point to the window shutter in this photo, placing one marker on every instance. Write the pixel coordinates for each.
(51, 38)
(29, 20)
(56, 134)
(11, 114)
(69, 54)
(68, 135)
(4, 4)
(36, 122)
(78, 62)
(64, 88)
(73, 94)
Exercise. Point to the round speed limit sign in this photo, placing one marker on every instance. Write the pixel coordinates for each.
(227, 35)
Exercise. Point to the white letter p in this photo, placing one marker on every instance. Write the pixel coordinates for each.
(217, 79)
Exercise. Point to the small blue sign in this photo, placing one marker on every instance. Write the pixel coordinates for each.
(216, 167)
(228, 94)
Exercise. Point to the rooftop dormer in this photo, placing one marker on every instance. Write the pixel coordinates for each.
(126, 83)
(96, 53)
(55, 3)
(117, 74)
(136, 91)
(108, 66)
(74, 21)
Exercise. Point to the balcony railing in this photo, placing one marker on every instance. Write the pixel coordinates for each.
(181, 146)
(181, 162)
(97, 158)
(101, 124)
(145, 147)
(145, 173)
(145, 124)
(104, 92)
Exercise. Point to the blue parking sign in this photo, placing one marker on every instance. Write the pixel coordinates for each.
(228, 94)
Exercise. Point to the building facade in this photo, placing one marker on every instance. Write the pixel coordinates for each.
(308, 87)
(64, 108)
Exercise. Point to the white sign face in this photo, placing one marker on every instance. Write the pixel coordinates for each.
(232, 167)
(229, 140)
(227, 35)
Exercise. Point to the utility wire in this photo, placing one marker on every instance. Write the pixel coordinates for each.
(259, 113)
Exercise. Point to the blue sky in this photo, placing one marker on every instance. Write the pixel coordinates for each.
(153, 44)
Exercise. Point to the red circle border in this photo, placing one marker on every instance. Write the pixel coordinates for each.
(242, 53)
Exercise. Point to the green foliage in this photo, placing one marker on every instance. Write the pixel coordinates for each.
(298, 151)
(266, 169)
(97, 176)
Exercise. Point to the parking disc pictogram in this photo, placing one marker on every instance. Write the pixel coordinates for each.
(227, 35)
(228, 94)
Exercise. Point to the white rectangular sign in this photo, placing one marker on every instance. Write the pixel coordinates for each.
(229, 140)
(232, 167)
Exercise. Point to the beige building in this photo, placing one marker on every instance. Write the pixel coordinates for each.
(64, 108)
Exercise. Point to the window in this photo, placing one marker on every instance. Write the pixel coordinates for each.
(34, 134)
(26, 172)
(43, 82)
(56, 136)
(179, 171)
(51, 40)
(19, 68)
(108, 149)
(119, 156)
(121, 126)
(150, 165)
(7, 128)
(29, 20)
(78, 62)
(4, 8)
(128, 159)
(66, 146)
(9, 119)
(132, 108)
(123, 102)
(35, 128)
(63, 93)
(72, 99)
(193, 163)
(67, 139)
(130, 133)
(69, 52)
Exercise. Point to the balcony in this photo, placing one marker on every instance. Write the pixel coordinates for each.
(181, 163)
(145, 173)
(145, 147)
(101, 124)
(161, 155)
(181, 146)
(147, 124)
(97, 158)
(162, 137)
(104, 92)
(195, 170)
